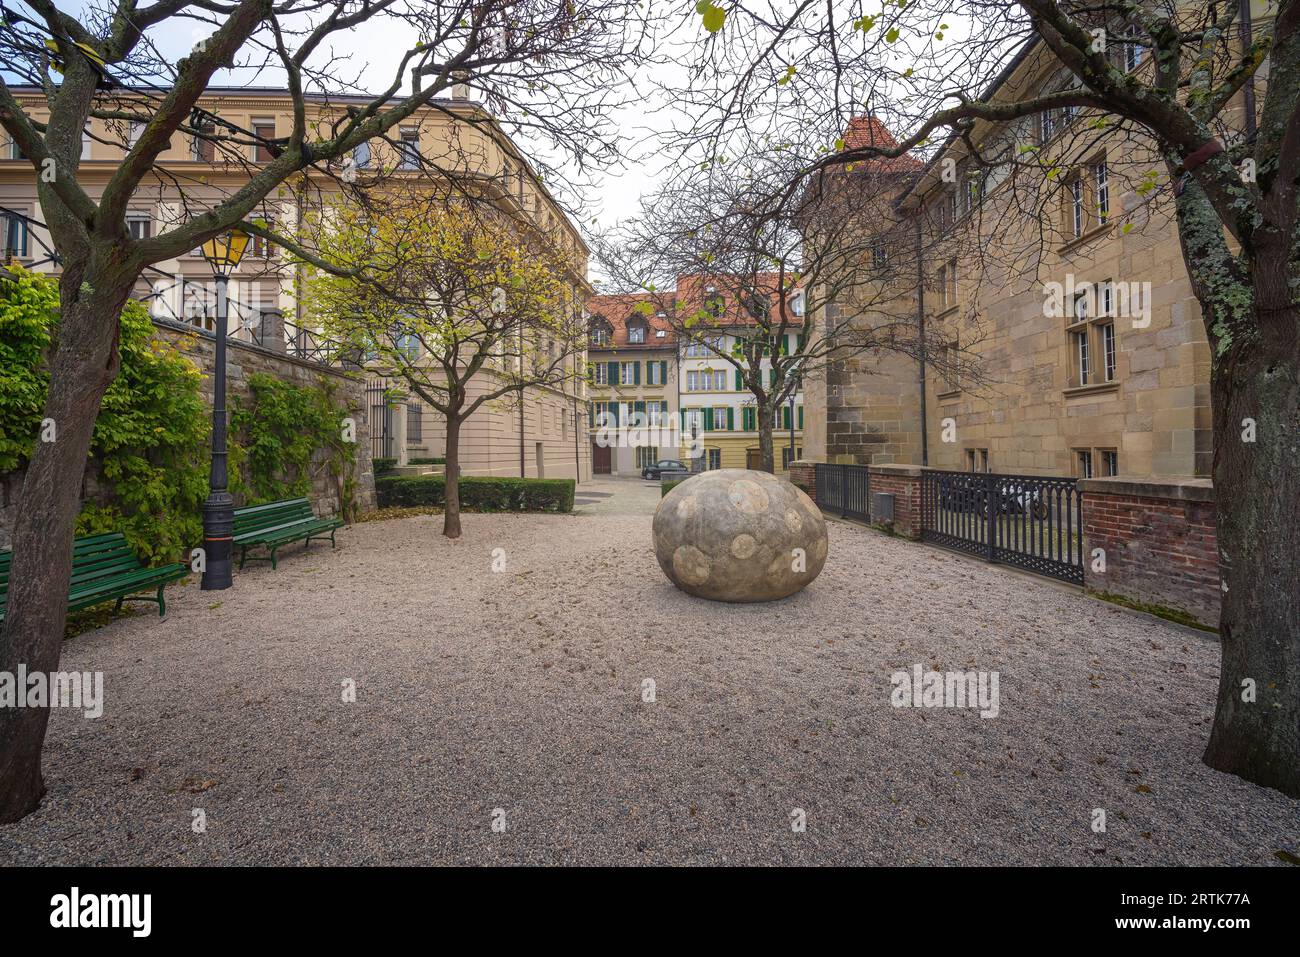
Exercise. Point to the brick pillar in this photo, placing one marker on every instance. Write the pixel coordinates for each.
(1159, 543)
(804, 474)
(904, 483)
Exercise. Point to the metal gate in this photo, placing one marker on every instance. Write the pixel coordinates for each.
(381, 419)
(1031, 522)
(845, 489)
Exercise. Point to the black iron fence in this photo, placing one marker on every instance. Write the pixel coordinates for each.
(379, 403)
(1031, 522)
(844, 489)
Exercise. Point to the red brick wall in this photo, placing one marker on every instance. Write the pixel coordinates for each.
(805, 474)
(1159, 542)
(904, 483)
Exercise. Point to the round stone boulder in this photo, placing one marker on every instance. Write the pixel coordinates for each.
(737, 535)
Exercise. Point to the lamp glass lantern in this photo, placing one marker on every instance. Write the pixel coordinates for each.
(224, 251)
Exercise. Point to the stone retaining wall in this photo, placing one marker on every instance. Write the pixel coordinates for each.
(242, 360)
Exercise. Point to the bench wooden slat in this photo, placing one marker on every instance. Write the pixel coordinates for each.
(104, 567)
(278, 523)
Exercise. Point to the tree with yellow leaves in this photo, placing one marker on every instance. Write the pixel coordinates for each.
(441, 294)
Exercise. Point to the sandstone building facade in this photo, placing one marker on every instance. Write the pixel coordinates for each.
(456, 134)
(1052, 272)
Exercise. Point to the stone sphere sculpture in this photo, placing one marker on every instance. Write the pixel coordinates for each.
(736, 535)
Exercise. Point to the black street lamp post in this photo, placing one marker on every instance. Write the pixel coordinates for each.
(223, 254)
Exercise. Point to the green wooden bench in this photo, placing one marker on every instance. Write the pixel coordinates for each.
(104, 567)
(279, 523)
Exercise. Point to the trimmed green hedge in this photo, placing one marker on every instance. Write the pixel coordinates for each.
(478, 493)
(427, 461)
(666, 486)
(383, 465)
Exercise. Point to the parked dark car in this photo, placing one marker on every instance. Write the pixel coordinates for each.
(663, 465)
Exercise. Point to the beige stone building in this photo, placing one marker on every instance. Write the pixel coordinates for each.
(1055, 282)
(456, 134)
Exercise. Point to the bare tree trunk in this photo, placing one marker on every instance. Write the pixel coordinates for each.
(765, 443)
(451, 495)
(85, 361)
(1257, 488)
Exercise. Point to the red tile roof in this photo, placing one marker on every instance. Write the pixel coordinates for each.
(619, 310)
(866, 131)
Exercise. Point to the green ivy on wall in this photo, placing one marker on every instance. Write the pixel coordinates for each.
(150, 440)
(284, 433)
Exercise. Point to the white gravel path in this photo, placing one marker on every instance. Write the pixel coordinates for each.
(521, 690)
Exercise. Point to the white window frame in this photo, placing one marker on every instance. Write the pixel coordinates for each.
(1078, 213)
(409, 158)
(626, 373)
(139, 217)
(1101, 185)
(601, 373)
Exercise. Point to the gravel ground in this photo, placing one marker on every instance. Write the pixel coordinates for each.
(521, 690)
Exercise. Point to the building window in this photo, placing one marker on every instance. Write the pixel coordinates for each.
(133, 133)
(85, 143)
(409, 149)
(139, 225)
(714, 303)
(1106, 332)
(1092, 338)
(1046, 125)
(263, 132)
(15, 233)
(655, 373)
(261, 247)
(1134, 51)
(629, 373)
(714, 459)
(1101, 183)
(204, 149)
(720, 418)
(636, 332)
(879, 255)
(1109, 462)
(692, 421)
(977, 460)
(361, 155)
(1083, 463)
(601, 373)
(646, 455)
(16, 151)
(1078, 214)
(785, 455)
(941, 280)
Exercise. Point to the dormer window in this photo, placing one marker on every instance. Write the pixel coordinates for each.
(600, 333)
(636, 330)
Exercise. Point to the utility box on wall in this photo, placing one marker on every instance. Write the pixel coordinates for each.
(882, 507)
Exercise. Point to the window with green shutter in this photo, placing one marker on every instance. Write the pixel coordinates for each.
(708, 419)
(801, 417)
(747, 419)
(740, 382)
(613, 372)
(785, 417)
(731, 419)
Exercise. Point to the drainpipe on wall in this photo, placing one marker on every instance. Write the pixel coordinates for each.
(920, 323)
